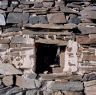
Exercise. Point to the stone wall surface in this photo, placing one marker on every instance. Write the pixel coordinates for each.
(64, 23)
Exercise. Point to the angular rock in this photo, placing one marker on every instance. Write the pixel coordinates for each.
(33, 19)
(8, 69)
(48, 4)
(87, 29)
(56, 18)
(2, 20)
(25, 17)
(43, 19)
(70, 86)
(31, 92)
(8, 80)
(90, 83)
(14, 18)
(89, 77)
(14, 4)
(12, 29)
(14, 91)
(4, 4)
(24, 82)
(74, 19)
(38, 5)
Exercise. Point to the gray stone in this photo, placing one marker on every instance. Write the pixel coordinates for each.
(12, 29)
(68, 10)
(38, 5)
(89, 12)
(87, 29)
(18, 10)
(3, 4)
(43, 19)
(2, 20)
(31, 92)
(33, 19)
(14, 18)
(25, 17)
(47, 93)
(32, 76)
(14, 3)
(14, 90)
(8, 69)
(48, 4)
(89, 77)
(20, 93)
(74, 19)
(70, 86)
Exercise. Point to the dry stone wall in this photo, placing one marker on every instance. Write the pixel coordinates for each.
(64, 23)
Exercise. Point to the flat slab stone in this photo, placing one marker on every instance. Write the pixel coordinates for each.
(22, 40)
(70, 86)
(87, 29)
(28, 83)
(8, 69)
(56, 18)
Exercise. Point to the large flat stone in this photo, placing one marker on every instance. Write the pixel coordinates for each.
(28, 83)
(8, 69)
(3, 4)
(56, 18)
(70, 86)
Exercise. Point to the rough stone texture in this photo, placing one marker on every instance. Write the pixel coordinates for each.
(70, 86)
(68, 25)
(56, 18)
(8, 69)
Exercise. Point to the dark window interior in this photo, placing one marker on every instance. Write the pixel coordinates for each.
(46, 55)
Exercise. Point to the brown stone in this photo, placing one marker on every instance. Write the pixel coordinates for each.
(56, 18)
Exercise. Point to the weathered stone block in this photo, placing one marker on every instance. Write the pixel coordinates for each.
(57, 18)
(14, 18)
(2, 20)
(70, 86)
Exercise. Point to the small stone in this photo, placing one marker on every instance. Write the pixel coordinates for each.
(38, 5)
(28, 83)
(8, 80)
(74, 19)
(43, 19)
(31, 92)
(89, 77)
(33, 19)
(48, 4)
(14, 4)
(25, 17)
(2, 20)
